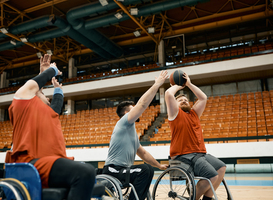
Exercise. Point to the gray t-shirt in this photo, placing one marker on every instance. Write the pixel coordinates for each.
(124, 144)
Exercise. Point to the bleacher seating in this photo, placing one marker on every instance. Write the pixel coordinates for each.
(239, 115)
(87, 126)
(220, 54)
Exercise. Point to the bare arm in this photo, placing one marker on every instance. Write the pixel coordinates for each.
(172, 107)
(148, 158)
(200, 105)
(146, 98)
(28, 90)
(31, 87)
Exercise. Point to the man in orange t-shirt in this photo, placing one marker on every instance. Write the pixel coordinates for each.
(187, 143)
(38, 137)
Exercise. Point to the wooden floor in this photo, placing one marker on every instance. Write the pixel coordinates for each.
(246, 186)
(252, 192)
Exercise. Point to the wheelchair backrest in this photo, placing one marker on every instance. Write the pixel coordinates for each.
(28, 175)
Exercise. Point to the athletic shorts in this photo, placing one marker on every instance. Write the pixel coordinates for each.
(206, 166)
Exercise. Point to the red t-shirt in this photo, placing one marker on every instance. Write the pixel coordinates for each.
(37, 133)
(187, 136)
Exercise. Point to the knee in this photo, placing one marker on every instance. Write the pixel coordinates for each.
(222, 170)
(87, 173)
(214, 179)
(148, 169)
(151, 170)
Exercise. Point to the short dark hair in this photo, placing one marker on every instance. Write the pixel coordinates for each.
(180, 95)
(122, 107)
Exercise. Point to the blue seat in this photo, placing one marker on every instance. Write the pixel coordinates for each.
(28, 175)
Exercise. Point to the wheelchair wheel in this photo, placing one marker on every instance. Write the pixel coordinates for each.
(174, 183)
(223, 192)
(14, 189)
(112, 186)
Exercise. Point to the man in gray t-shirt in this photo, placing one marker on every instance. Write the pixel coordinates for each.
(124, 144)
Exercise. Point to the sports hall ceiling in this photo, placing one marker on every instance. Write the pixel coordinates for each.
(90, 32)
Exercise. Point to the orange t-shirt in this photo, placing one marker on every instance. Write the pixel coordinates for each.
(37, 133)
(187, 136)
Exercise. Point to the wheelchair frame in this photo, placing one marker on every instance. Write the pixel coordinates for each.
(22, 182)
(178, 173)
(27, 177)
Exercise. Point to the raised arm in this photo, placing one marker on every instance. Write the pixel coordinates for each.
(172, 106)
(58, 97)
(29, 89)
(200, 105)
(148, 158)
(146, 98)
(45, 62)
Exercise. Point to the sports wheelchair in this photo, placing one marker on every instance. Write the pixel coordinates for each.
(177, 182)
(114, 188)
(22, 182)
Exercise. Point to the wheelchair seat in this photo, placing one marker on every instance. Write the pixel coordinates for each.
(54, 193)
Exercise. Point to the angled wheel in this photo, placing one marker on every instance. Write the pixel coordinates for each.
(112, 186)
(223, 192)
(174, 183)
(14, 189)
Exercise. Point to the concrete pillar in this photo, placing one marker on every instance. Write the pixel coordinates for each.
(161, 54)
(2, 114)
(3, 81)
(70, 106)
(162, 100)
(72, 70)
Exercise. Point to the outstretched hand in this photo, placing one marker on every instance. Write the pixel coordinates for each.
(45, 62)
(54, 65)
(162, 77)
(55, 83)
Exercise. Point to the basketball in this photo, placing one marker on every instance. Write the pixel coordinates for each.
(177, 78)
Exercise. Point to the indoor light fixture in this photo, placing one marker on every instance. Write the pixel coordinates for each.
(39, 54)
(137, 33)
(103, 2)
(13, 42)
(134, 11)
(118, 15)
(24, 40)
(49, 52)
(4, 30)
(151, 29)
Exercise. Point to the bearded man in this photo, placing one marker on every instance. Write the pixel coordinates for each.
(187, 144)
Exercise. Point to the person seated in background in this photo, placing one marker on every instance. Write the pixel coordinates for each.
(38, 137)
(124, 145)
(187, 143)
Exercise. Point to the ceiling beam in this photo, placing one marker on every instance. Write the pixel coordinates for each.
(201, 27)
(18, 11)
(44, 5)
(135, 20)
(3, 1)
(213, 16)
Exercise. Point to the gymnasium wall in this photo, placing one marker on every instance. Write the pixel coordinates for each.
(220, 150)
